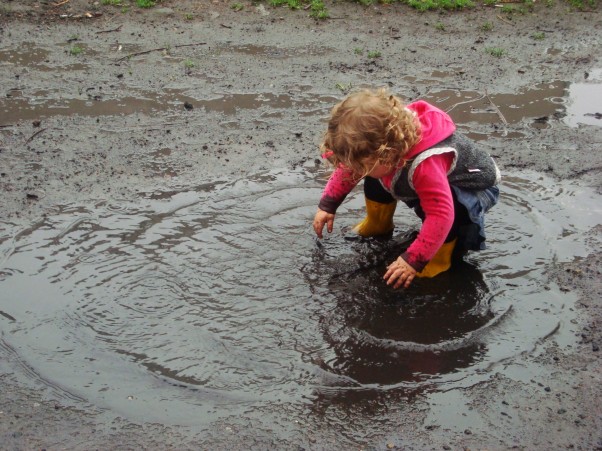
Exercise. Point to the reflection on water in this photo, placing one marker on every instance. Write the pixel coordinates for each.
(379, 334)
(218, 302)
(585, 106)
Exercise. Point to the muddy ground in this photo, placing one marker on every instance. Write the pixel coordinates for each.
(222, 93)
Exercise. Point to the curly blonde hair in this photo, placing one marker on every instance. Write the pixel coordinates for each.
(369, 128)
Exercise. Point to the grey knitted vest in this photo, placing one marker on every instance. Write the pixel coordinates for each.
(471, 169)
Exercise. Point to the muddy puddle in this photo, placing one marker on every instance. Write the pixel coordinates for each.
(217, 304)
(538, 106)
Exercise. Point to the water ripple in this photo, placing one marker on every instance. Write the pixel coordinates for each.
(220, 297)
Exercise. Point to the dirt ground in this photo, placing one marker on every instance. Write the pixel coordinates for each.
(191, 82)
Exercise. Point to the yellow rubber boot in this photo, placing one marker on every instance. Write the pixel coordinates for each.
(379, 219)
(440, 262)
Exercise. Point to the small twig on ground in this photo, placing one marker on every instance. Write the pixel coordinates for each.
(499, 113)
(109, 31)
(160, 49)
(466, 101)
(34, 135)
(224, 25)
(504, 20)
(56, 5)
(7, 125)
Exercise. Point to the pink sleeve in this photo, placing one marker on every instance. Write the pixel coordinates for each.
(340, 183)
(431, 185)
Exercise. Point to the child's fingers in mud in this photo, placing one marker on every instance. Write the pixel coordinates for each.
(399, 273)
(322, 219)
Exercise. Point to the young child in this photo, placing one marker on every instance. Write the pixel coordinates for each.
(414, 154)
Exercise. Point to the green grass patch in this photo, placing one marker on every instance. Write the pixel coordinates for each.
(76, 50)
(495, 51)
(318, 10)
(292, 4)
(344, 88)
(584, 5)
(145, 3)
(487, 26)
(237, 6)
(372, 54)
(429, 5)
(125, 4)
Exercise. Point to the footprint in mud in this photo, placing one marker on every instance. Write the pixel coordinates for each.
(219, 297)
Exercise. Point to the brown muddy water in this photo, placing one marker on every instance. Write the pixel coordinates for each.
(216, 302)
(539, 105)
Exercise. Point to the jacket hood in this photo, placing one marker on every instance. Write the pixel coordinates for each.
(435, 125)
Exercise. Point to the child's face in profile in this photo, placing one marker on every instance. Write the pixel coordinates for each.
(379, 171)
(376, 170)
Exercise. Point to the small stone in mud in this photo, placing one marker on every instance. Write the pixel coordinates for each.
(188, 106)
(548, 389)
(32, 196)
(164, 11)
(595, 347)
(561, 411)
(36, 123)
(390, 445)
(468, 432)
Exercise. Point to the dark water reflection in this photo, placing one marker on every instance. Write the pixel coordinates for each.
(392, 337)
(218, 303)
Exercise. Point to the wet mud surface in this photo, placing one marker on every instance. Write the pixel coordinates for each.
(160, 285)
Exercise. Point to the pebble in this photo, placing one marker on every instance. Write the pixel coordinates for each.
(163, 11)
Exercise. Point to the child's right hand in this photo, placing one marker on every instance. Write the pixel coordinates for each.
(323, 218)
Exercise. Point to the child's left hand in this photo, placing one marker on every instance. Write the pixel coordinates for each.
(400, 273)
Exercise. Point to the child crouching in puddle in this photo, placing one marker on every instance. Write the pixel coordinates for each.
(410, 153)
